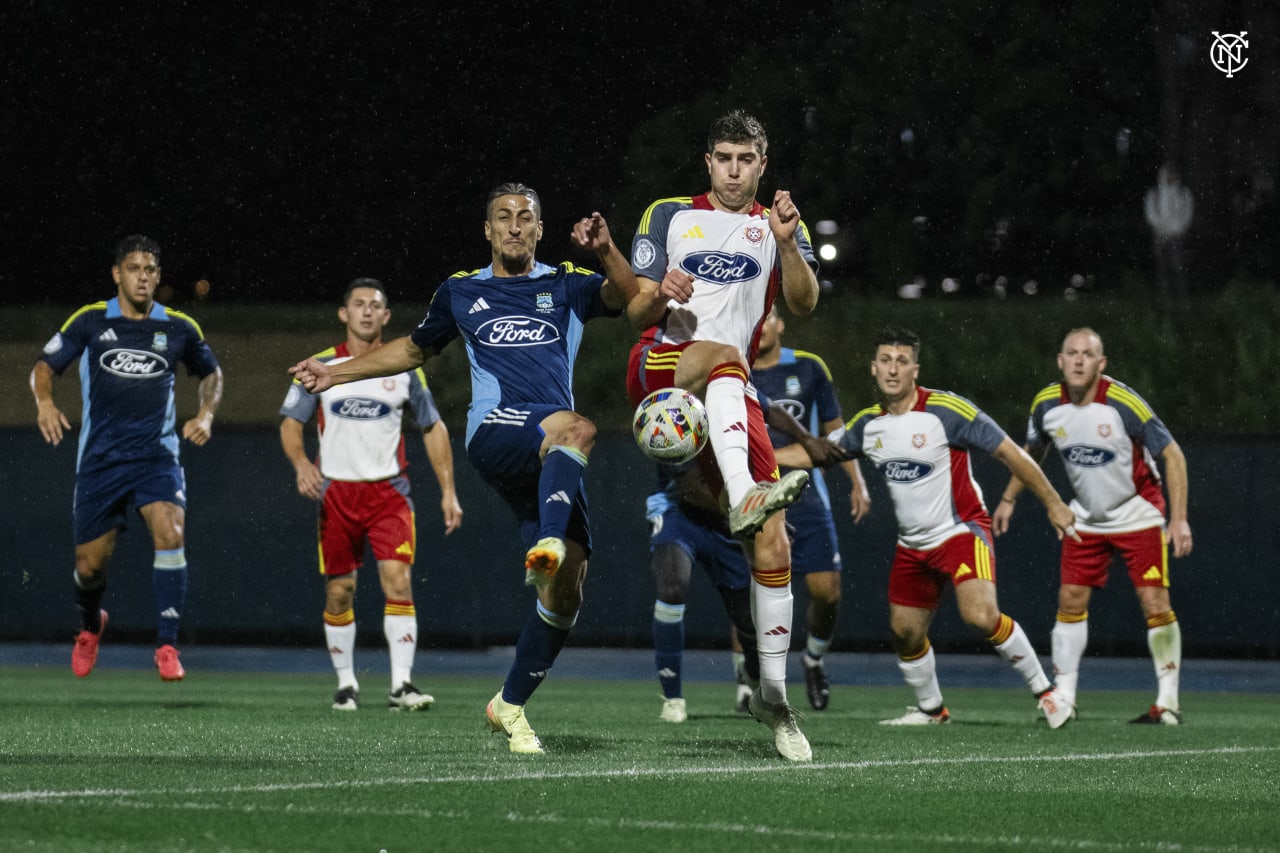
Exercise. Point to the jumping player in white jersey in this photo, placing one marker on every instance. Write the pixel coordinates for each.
(710, 268)
(1108, 438)
(920, 441)
(522, 324)
(360, 482)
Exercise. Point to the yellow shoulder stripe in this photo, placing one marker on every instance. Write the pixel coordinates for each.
(954, 403)
(800, 353)
(643, 228)
(1047, 394)
(84, 309)
(422, 376)
(176, 314)
(869, 410)
(1130, 399)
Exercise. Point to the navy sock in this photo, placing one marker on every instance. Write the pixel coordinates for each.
(169, 581)
(540, 642)
(558, 487)
(668, 647)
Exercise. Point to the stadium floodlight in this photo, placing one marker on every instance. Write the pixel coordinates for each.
(828, 251)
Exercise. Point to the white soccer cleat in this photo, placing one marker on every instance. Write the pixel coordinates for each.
(674, 711)
(763, 500)
(785, 722)
(916, 717)
(510, 721)
(1057, 710)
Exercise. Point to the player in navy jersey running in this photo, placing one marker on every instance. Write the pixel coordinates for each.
(800, 383)
(361, 483)
(522, 323)
(920, 440)
(1108, 439)
(129, 348)
(709, 269)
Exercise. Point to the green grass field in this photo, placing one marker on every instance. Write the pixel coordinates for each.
(235, 761)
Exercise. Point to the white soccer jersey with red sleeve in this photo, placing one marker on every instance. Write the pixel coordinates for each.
(361, 423)
(923, 455)
(1106, 446)
(733, 258)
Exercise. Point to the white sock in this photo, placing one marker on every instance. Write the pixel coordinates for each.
(1069, 642)
(1165, 643)
(1017, 651)
(401, 631)
(342, 649)
(726, 406)
(921, 675)
(771, 610)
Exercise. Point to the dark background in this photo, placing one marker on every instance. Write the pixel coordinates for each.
(277, 152)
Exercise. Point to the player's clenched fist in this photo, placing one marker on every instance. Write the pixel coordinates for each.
(312, 374)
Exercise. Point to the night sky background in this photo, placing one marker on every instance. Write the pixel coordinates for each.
(278, 152)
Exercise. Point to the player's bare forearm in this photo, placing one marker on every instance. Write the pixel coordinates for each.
(799, 284)
(49, 418)
(199, 429)
(307, 476)
(440, 453)
(648, 306)
(1024, 468)
(398, 356)
(1175, 477)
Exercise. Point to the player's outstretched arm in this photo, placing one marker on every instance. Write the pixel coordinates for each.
(397, 356)
(199, 429)
(1174, 464)
(592, 234)
(52, 422)
(799, 284)
(1020, 463)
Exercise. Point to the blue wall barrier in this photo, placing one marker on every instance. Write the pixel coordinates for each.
(251, 547)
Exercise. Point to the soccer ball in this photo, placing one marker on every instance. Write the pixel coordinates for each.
(670, 425)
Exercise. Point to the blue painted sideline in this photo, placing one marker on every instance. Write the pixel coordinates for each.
(843, 668)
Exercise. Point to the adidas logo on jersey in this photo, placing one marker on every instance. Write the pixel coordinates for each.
(108, 335)
(479, 305)
(694, 233)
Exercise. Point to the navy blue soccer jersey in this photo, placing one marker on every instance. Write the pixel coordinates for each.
(801, 383)
(127, 370)
(521, 333)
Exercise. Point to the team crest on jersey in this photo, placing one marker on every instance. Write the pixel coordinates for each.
(793, 385)
(917, 440)
(159, 342)
(54, 344)
(544, 303)
(645, 253)
(389, 383)
(753, 233)
(1104, 430)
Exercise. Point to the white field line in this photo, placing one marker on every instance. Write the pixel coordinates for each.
(515, 774)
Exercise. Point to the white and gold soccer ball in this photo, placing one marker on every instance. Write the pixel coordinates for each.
(670, 426)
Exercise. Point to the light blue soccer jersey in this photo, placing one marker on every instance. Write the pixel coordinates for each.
(522, 334)
(127, 370)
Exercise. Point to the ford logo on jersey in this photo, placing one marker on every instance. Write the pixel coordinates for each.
(721, 267)
(360, 408)
(517, 332)
(904, 470)
(133, 363)
(1086, 456)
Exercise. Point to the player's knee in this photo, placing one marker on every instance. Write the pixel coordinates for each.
(577, 432)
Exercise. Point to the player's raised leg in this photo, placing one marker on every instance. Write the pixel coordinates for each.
(569, 438)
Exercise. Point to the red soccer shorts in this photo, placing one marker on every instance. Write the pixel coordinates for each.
(653, 366)
(352, 514)
(917, 578)
(1145, 553)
